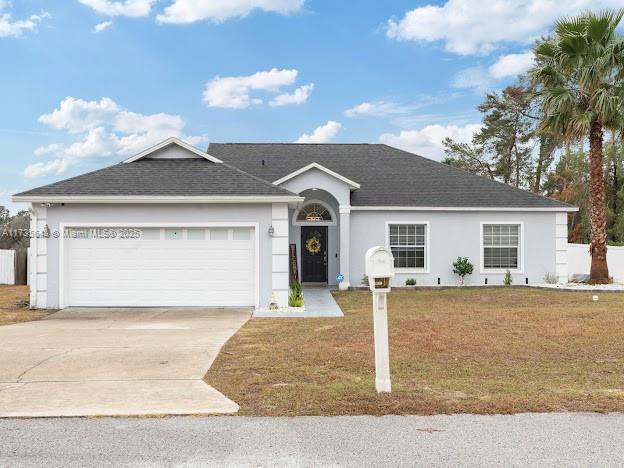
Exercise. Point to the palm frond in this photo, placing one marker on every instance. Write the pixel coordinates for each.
(601, 26)
(573, 46)
(570, 26)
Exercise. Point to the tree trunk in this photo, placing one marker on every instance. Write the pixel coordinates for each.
(543, 161)
(599, 272)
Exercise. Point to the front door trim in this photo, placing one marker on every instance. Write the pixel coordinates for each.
(305, 266)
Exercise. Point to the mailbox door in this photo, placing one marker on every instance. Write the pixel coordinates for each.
(314, 254)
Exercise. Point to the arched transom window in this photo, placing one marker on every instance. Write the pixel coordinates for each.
(314, 213)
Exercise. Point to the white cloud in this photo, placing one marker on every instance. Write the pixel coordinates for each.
(481, 79)
(132, 8)
(511, 65)
(77, 115)
(298, 96)
(48, 149)
(101, 129)
(476, 78)
(102, 26)
(15, 28)
(479, 26)
(322, 134)
(377, 109)
(234, 92)
(217, 11)
(428, 140)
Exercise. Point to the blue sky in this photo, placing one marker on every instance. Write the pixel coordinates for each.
(87, 83)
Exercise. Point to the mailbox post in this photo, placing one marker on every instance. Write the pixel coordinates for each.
(380, 270)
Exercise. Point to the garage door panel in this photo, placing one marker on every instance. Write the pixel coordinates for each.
(162, 272)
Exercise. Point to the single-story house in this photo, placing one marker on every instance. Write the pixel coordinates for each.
(177, 226)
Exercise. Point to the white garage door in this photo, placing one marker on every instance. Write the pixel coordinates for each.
(206, 267)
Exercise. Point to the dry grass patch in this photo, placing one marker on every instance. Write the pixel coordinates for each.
(9, 313)
(452, 351)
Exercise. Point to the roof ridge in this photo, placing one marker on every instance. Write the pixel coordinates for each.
(294, 144)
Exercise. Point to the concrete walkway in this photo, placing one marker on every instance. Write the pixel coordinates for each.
(94, 362)
(319, 302)
(525, 440)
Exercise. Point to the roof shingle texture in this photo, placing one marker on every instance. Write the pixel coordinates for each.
(387, 176)
(163, 177)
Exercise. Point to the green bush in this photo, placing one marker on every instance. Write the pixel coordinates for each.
(295, 298)
(462, 267)
(507, 280)
(365, 280)
(410, 282)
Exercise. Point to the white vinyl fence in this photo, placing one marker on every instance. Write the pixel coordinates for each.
(579, 261)
(7, 266)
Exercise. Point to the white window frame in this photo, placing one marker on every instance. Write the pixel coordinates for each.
(325, 205)
(520, 268)
(427, 245)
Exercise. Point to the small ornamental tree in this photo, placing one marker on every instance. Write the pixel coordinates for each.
(507, 279)
(462, 267)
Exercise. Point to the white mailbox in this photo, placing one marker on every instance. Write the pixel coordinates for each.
(379, 268)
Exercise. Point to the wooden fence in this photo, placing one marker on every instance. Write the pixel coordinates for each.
(14, 266)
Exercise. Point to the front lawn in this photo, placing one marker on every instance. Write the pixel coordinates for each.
(502, 350)
(10, 313)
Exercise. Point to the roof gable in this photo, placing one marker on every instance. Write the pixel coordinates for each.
(153, 152)
(352, 185)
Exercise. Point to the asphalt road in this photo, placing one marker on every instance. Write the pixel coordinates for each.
(464, 440)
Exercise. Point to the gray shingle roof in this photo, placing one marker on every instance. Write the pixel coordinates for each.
(387, 176)
(162, 177)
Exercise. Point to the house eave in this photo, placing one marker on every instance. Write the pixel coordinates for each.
(156, 199)
(554, 209)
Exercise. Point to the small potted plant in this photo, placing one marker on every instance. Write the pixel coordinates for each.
(462, 267)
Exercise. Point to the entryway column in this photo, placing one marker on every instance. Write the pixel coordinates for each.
(279, 254)
(345, 241)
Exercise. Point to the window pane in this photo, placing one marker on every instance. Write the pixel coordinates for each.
(218, 234)
(173, 234)
(500, 257)
(408, 257)
(196, 234)
(241, 234)
(407, 242)
(314, 212)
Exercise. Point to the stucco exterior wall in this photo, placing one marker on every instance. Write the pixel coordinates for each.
(454, 234)
(165, 213)
(315, 178)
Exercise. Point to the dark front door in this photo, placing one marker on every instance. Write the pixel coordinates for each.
(314, 254)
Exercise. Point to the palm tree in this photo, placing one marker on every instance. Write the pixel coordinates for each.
(579, 72)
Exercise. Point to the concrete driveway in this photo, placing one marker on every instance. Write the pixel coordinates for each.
(89, 362)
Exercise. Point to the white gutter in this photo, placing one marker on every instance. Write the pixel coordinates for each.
(463, 208)
(156, 199)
